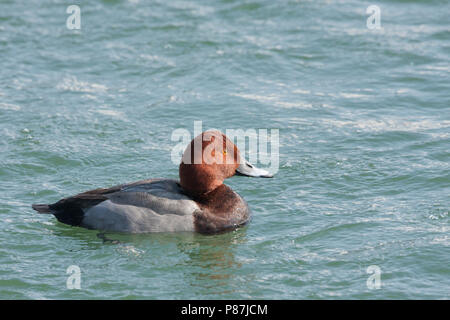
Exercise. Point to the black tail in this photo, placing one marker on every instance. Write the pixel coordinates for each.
(41, 208)
(72, 215)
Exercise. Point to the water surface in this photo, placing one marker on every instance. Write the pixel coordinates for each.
(364, 123)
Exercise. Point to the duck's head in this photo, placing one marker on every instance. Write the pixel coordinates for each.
(211, 158)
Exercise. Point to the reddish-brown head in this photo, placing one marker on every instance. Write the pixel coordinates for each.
(208, 160)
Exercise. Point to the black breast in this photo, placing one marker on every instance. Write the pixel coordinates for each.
(221, 209)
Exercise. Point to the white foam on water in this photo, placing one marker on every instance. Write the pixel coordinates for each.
(389, 124)
(155, 58)
(9, 106)
(72, 84)
(109, 112)
(300, 91)
(276, 101)
(130, 250)
(299, 105)
(256, 97)
(353, 95)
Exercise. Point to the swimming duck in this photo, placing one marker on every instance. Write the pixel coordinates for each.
(198, 202)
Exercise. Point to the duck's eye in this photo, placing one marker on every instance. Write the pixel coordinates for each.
(225, 152)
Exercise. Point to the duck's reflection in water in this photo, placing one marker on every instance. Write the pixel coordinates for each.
(211, 262)
(207, 262)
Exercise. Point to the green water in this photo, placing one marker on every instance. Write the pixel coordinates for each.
(364, 126)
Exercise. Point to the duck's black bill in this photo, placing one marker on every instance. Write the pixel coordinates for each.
(249, 170)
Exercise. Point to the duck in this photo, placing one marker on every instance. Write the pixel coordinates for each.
(198, 202)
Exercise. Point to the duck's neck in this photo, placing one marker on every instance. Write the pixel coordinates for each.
(207, 197)
(196, 180)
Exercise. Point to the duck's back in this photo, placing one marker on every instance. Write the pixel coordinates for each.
(154, 205)
(148, 206)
